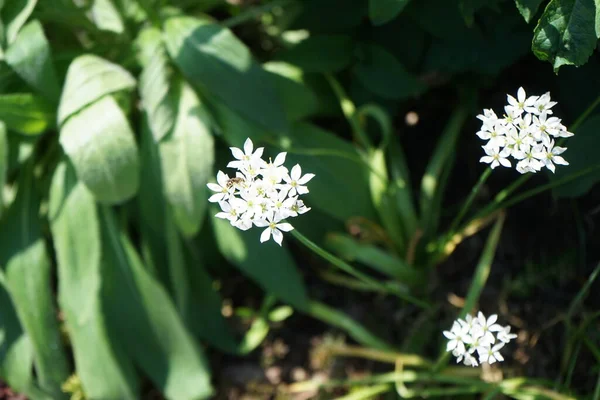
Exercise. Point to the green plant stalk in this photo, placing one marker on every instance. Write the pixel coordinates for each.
(254, 12)
(391, 289)
(467, 204)
(340, 320)
(367, 392)
(482, 271)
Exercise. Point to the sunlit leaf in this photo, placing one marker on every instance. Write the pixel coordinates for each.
(101, 146)
(106, 16)
(30, 57)
(212, 58)
(26, 113)
(14, 14)
(528, 8)
(88, 79)
(102, 366)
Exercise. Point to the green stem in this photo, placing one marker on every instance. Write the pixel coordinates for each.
(254, 12)
(344, 266)
(467, 204)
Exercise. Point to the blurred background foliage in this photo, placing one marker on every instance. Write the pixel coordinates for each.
(114, 114)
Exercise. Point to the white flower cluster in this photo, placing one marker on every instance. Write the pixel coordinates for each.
(479, 335)
(526, 133)
(262, 193)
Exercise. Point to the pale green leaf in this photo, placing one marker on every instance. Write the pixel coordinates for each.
(187, 157)
(26, 113)
(103, 368)
(88, 79)
(213, 58)
(155, 91)
(26, 267)
(142, 315)
(106, 16)
(30, 57)
(566, 32)
(101, 146)
(3, 163)
(382, 11)
(14, 14)
(528, 8)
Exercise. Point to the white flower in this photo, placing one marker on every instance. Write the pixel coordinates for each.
(550, 156)
(485, 327)
(518, 105)
(542, 105)
(495, 156)
(505, 336)
(274, 227)
(295, 182)
(256, 196)
(459, 336)
(489, 354)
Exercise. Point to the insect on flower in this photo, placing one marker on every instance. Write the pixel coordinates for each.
(256, 196)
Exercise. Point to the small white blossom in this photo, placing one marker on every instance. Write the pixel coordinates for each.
(524, 133)
(477, 340)
(256, 195)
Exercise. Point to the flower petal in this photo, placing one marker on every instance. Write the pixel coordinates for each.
(285, 227)
(277, 236)
(304, 180)
(265, 235)
(237, 153)
(248, 146)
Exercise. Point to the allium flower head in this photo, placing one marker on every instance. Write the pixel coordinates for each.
(477, 340)
(526, 133)
(262, 194)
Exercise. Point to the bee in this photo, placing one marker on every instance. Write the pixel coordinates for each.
(234, 181)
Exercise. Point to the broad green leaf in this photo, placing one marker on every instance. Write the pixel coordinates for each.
(212, 58)
(528, 8)
(320, 53)
(156, 95)
(383, 75)
(88, 79)
(234, 128)
(26, 267)
(270, 266)
(378, 259)
(3, 163)
(103, 368)
(566, 32)
(203, 304)
(26, 113)
(106, 16)
(30, 57)
(340, 171)
(13, 15)
(101, 146)
(382, 11)
(187, 157)
(581, 154)
(330, 16)
(298, 98)
(147, 42)
(141, 314)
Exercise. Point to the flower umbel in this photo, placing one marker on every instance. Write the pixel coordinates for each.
(526, 133)
(477, 336)
(262, 194)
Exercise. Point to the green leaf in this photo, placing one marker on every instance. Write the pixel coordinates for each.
(187, 157)
(566, 32)
(202, 303)
(30, 56)
(14, 14)
(330, 16)
(88, 79)
(270, 266)
(156, 95)
(106, 16)
(141, 314)
(3, 163)
(340, 171)
(383, 75)
(581, 155)
(212, 58)
(26, 267)
(103, 368)
(528, 8)
(382, 11)
(320, 53)
(299, 100)
(374, 257)
(101, 146)
(26, 113)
